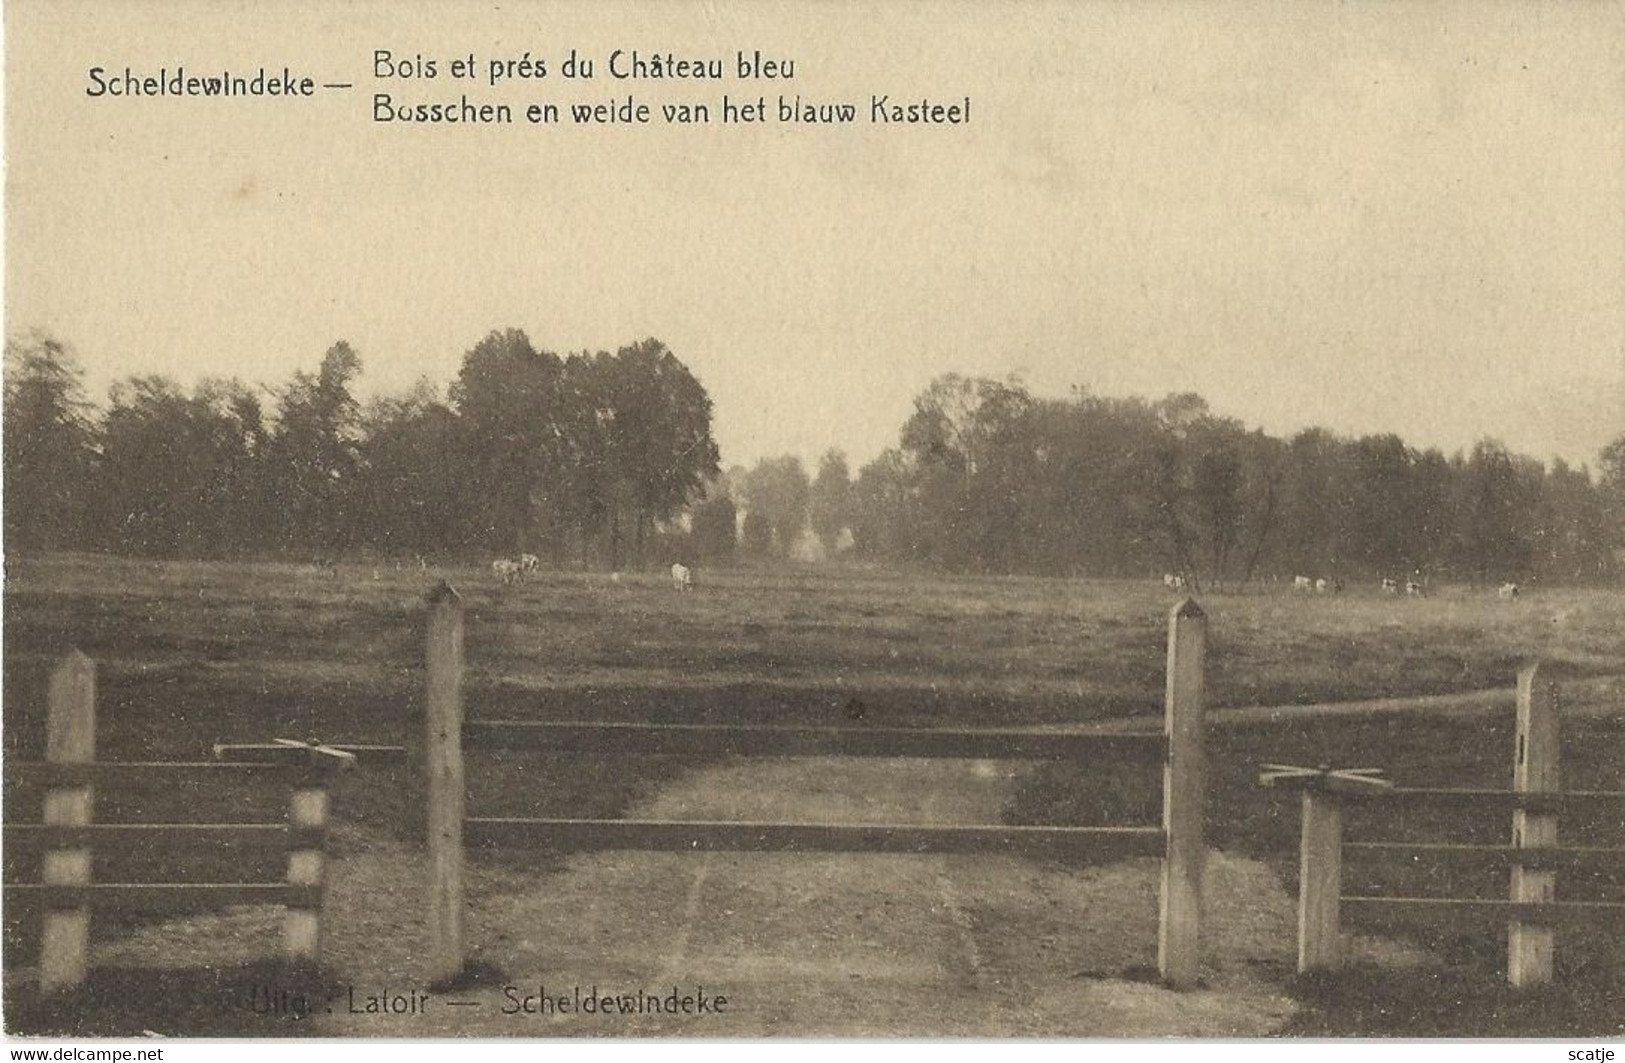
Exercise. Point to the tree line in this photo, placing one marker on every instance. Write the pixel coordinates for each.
(987, 477)
(583, 456)
(609, 460)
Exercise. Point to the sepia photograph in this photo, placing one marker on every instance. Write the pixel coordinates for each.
(707, 520)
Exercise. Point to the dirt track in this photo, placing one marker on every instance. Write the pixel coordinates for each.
(832, 944)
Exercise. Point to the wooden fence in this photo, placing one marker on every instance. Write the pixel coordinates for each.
(1531, 912)
(1179, 750)
(68, 838)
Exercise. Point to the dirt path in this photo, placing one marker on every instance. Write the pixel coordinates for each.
(836, 944)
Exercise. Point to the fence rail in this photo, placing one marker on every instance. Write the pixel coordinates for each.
(1531, 912)
(781, 741)
(1485, 910)
(1554, 802)
(670, 836)
(269, 837)
(1571, 858)
(138, 772)
(170, 898)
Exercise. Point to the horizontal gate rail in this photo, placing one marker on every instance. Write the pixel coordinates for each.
(678, 836)
(784, 741)
(1489, 911)
(124, 773)
(267, 836)
(1500, 800)
(1553, 859)
(164, 897)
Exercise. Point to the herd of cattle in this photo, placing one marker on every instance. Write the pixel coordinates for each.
(509, 571)
(1307, 585)
(516, 570)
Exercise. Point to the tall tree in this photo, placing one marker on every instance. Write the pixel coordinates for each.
(971, 450)
(1611, 488)
(1217, 483)
(1490, 538)
(715, 532)
(655, 448)
(777, 490)
(510, 405)
(182, 471)
(830, 502)
(885, 510)
(1433, 504)
(1311, 506)
(414, 490)
(50, 446)
(311, 455)
(1382, 524)
(1568, 527)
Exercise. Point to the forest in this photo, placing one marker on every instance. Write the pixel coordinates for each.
(608, 460)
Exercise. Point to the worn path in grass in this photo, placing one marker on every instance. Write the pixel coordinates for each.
(837, 944)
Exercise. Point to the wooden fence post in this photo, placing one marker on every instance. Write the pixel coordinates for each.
(1179, 929)
(443, 771)
(70, 738)
(1320, 882)
(302, 927)
(1530, 947)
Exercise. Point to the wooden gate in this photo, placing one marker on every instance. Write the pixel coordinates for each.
(1178, 749)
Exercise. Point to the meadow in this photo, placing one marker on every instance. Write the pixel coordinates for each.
(194, 653)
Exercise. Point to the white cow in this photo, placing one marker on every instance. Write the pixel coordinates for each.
(1303, 583)
(506, 570)
(681, 578)
(529, 563)
(1322, 585)
(1173, 582)
(1390, 586)
(1414, 589)
(1508, 590)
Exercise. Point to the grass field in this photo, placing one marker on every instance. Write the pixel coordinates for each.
(190, 654)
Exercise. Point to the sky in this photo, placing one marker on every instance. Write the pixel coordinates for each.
(1376, 217)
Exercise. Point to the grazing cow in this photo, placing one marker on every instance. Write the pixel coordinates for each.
(1173, 582)
(1414, 589)
(506, 570)
(1303, 584)
(681, 578)
(1508, 590)
(529, 563)
(1390, 586)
